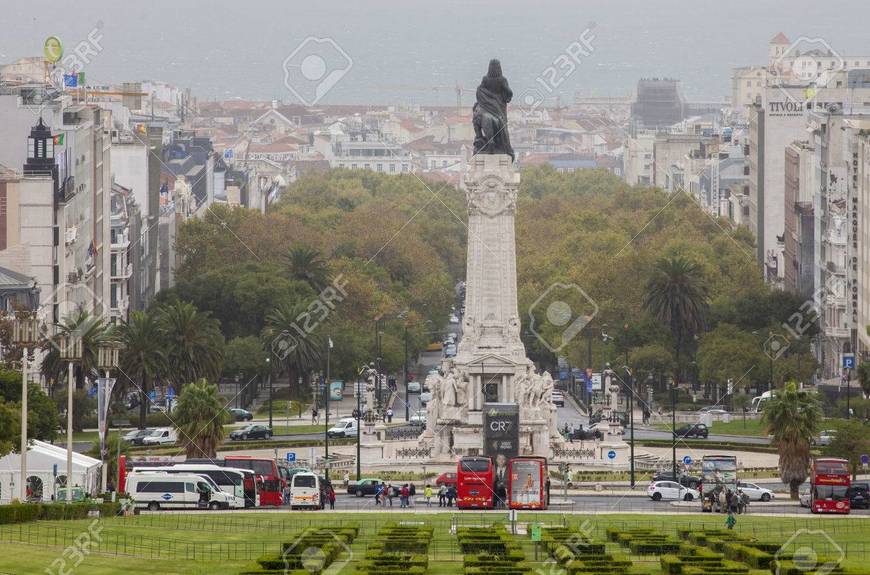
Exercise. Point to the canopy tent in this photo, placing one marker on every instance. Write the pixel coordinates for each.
(46, 472)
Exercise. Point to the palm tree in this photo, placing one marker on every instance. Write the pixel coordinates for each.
(299, 354)
(143, 359)
(793, 417)
(200, 417)
(93, 333)
(193, 342)
(676, 295)
(306, 265)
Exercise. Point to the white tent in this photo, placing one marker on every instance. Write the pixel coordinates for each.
(46, 471)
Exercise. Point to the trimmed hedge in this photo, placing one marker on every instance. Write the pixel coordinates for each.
(399, 550)
(24, 512)
(330, 542)
(490, 551)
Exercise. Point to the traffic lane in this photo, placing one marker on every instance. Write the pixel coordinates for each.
(745, 439)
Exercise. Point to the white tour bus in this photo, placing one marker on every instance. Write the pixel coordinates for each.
(305, 491)
(228, 479)
(159, 490)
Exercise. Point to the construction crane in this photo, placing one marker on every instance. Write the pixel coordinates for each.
(457, 88)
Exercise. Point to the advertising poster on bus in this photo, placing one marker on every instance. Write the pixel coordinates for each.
(525, 484)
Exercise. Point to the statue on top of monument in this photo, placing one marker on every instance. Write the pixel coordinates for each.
(490, 113)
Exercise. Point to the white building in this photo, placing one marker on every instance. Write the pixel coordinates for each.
(46, 472)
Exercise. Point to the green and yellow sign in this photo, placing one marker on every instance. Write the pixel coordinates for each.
(53, 49)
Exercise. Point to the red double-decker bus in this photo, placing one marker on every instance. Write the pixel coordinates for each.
(474, 483)
(527, 483)
(829, 485)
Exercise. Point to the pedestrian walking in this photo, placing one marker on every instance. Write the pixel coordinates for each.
(346, 479)
(427, 495)
(404, 493)
(379, 493)
(412, 492)
(451, 495)
(390, 493)
(389, 415)
(314, 415)
(442, 496)
(331, 496)
(731, 520)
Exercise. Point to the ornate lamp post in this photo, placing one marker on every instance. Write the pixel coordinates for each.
(70, 349)
(107, 359)
(25, 332)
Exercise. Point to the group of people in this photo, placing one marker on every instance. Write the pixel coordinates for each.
(729, 501)
(386, 492)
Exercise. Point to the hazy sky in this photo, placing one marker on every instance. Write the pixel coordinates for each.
(237, 49)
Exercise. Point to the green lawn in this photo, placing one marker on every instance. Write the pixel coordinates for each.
(226, 543)
(735, 427)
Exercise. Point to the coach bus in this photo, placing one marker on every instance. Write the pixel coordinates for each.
(474, 483)
(527, 483)
(829, 485)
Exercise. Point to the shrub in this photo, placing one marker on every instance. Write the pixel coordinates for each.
(23, 512)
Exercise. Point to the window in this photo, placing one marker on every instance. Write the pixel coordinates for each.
(300, 480)
(189, 488)
(159, 487)
(476, 465)
(380, 167)
(392, 168)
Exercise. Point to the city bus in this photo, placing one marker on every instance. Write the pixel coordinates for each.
(718, 473)
(474, 483)
(252, 483)
(527, 483)
(829, 485)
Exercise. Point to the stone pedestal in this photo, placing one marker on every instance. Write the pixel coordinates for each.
(491, 366)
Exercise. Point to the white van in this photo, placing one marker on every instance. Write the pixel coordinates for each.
(305, 491)
(346, 427)
(230, 483)
(161, 436)
(157, 490)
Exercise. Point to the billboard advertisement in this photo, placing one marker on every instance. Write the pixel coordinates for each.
(525, 483)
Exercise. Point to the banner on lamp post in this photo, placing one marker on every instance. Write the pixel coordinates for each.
(104, 395)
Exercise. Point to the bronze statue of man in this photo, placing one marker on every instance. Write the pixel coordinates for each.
(490, 113)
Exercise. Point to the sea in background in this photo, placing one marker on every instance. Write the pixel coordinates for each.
(414, 52)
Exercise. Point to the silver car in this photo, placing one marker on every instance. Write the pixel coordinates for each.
(804, 496)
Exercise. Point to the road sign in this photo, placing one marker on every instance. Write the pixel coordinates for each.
(865, 460)
(687, 460)
(291, 457)
(228, 154)
(611, 454)
(536, 532)
(848, 361)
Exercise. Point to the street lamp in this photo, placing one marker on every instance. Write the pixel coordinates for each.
(269, 376)
(107, 358)
(327, 392)
(70, 349)
(25, 332)
(630, 418)
(674, 427)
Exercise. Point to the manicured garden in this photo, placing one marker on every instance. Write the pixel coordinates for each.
(437, 543)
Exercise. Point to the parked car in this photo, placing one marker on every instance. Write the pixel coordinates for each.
(240, 414)
(755, 492)
(859, 496)
(413, 386)
(418, 418)
(135, 437)
(671, 490)
(558, 399)
(584, 434)
(363, 487)
(346, 427)
(693, 430)
(804, 496)
(161, 436)
(252, 431)
(425, 397)
(448, 479)
(450, 351)
(713, 410)
(826, 437)
(689, 481)
(454, 319)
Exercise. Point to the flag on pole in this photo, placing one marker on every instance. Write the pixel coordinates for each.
(58, 139)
